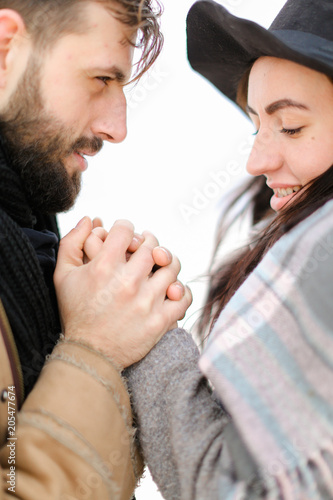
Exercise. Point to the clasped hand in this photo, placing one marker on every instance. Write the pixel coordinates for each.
(108, 295)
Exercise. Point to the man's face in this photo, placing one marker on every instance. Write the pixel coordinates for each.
(68, 101)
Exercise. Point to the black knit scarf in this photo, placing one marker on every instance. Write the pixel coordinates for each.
(28, 299)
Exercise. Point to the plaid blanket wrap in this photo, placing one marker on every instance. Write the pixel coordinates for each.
(270, 360)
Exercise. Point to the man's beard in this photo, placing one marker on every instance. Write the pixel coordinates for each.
(37, 144)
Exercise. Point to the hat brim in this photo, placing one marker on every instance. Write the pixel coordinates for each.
(222, 47)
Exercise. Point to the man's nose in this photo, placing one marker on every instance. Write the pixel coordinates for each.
(265, 155)
(110, 122)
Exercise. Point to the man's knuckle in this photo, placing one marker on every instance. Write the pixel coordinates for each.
(124, 224)
(150, 240)
(129, 286)
(143, 308)
(176, 265)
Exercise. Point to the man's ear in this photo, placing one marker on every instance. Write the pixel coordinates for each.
(11, 27)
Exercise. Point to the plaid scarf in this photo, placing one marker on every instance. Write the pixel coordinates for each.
(270, 360)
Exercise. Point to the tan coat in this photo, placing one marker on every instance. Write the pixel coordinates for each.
(72, 439)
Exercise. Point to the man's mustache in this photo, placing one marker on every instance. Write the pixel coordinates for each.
(88, 145)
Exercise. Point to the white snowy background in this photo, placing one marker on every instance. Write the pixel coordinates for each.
(186, 146)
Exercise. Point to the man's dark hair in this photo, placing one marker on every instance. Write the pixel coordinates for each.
(47, 20)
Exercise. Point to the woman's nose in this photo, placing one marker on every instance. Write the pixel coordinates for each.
(265, 155)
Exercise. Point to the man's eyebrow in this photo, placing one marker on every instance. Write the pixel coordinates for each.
(277, 105)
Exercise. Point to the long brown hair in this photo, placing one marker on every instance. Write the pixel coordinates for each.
(230, 274)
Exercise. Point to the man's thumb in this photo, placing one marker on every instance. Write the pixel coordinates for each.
(71, 246)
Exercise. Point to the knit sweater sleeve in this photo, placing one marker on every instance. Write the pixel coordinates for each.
(180, 425)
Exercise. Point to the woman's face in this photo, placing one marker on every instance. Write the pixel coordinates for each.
(291, 107)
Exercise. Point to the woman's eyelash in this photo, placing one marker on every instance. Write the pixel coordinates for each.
(288, 131)
(291, 131)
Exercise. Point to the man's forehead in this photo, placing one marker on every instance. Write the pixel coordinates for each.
(102, 43)
(103, 25)
(97, 14)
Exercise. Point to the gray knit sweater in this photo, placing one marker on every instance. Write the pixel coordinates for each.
(182, 429)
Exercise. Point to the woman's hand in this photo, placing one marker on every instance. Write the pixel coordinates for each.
(114, 302)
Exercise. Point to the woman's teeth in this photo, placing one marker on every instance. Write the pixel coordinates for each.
(282, 192)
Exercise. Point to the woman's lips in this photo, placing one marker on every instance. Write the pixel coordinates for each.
(282, 195)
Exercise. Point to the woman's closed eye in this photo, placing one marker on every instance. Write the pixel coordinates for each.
(288, 131)
(291, 131)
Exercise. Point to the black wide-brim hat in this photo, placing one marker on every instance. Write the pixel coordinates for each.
(222, 47)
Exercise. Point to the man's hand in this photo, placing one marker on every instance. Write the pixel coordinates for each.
(114, 302)
(161, 255)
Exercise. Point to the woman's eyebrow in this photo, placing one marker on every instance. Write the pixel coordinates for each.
(277, 105)
(284, 103)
